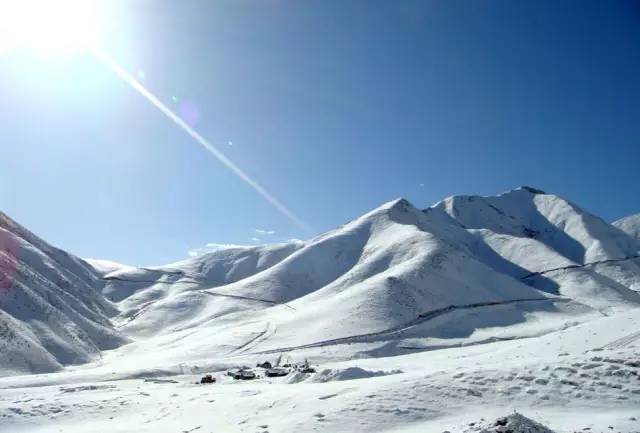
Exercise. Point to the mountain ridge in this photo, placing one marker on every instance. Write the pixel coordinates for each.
(630, 225)
(51, 313)
(385, 271)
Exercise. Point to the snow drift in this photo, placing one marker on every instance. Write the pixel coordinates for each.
(514, 423)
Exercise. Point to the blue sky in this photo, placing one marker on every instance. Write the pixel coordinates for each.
(334, 106)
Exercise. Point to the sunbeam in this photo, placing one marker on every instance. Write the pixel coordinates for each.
(206, 144)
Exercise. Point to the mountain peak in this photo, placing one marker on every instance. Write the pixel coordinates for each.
(398, 203)
(630, 225)
(398, 207)
(531, 189)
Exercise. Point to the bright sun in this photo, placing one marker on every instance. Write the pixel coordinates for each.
(50, 27)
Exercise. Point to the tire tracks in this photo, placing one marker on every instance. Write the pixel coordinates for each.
(270, 329)
(598, 262)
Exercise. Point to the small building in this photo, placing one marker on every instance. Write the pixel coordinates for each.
(233, 371)
(306, 368)
(244, 373)
(277, 372)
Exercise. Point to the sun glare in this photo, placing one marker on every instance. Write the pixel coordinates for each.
(50, 27)
(62, 27)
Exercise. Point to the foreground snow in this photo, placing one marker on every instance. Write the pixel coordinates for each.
(585, 376)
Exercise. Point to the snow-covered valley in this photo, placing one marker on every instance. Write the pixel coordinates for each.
(436, 319)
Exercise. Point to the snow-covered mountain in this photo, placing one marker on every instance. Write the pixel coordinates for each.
(421, 320)
(630, 225)
(548, 243)
(465, 270)
(51, 309)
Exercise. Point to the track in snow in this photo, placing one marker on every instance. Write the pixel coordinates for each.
(562, 268)
(422, 318)
(269, 330)
(624, 341)
(246, 298)
(133, 317)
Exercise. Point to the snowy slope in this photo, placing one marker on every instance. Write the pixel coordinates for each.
(224, 266)
(171, 294)
(526, 213)
(630, 225)
(581, 378)
(51, 309)
(397, 277)
(549, 243)
(464, 271)
(379, 272)
(104, 267)
(421, 320)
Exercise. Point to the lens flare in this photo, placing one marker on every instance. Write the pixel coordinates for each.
(59, 27)
(206, 144)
